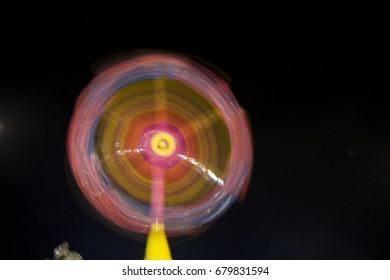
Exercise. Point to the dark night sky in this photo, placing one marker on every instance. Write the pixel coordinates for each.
(320, 187)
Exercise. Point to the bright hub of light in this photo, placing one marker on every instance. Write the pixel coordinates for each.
(163, 144)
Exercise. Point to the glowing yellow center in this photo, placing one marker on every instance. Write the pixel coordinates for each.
(163, 144)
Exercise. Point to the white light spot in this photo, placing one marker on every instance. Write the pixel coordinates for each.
(209, 173)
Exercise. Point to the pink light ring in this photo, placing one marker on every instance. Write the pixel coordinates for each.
(198, 211)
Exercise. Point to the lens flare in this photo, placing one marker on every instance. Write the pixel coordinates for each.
(159, 135)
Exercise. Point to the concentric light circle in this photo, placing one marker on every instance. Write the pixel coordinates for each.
(162, 144)
(165, 112)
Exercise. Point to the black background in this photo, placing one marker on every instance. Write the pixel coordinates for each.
(320, 187)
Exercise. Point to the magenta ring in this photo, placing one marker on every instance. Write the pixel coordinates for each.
(153, 158)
